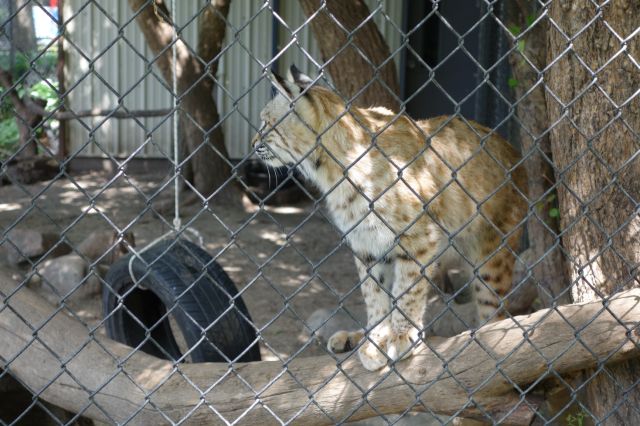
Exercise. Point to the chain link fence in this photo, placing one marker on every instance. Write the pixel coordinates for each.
(155, 271)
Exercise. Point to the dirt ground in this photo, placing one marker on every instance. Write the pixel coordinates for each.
(286, 261)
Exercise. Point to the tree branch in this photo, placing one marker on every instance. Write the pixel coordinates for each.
(6, 80)
(212, 26)
(443, 378)
(153, 21)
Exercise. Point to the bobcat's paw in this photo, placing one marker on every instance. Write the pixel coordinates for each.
(344, 341)
(383, 346)
(371, 357)
(403, 344)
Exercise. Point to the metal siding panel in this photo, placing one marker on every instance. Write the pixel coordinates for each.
(106, 66)
(132, 68)
(239, 70)
(77, 82)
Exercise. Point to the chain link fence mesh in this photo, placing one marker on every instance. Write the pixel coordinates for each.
(137, 251)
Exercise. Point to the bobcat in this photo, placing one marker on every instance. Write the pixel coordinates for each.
(402, 192)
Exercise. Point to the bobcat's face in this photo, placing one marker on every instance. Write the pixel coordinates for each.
(285, 136)
(270, 143)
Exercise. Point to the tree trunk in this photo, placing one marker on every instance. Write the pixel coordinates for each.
(546, 261)
(23, 33)
(23, 42)
(201, 129)
(366, 59)
(595, 147)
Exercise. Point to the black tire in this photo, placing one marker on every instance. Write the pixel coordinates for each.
(180, 277)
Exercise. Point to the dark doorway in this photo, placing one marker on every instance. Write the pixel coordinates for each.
(450, 47)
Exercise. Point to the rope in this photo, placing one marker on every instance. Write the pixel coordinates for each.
(177, 221)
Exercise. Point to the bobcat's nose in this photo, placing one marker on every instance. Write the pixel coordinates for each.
(256, 139)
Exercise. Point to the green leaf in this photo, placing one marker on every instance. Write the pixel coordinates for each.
(520, 46)
(512, 82)
(45, 91)
(8, 134)
(515, 29)
(530, 19)
(554, 212)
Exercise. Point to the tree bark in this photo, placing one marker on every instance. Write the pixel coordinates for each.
(103, 378)
(23, 42)
(23, 33)
(595, 112)
(366, 57)
(200, 126)
(546, 259)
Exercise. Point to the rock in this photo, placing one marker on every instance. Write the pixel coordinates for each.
(99, 245)
(455, 280)
(24, 244)
(33, 169)
(445, 320)
(326, 324)
(60, 276)
(11, 270)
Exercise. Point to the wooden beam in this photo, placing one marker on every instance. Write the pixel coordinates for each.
(61, 360)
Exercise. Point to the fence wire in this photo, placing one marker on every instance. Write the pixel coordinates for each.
(90, 255)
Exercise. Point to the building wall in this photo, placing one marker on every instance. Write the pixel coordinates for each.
(104, 69)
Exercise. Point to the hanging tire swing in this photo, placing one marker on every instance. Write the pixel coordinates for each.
(171, 299)
(174, 302)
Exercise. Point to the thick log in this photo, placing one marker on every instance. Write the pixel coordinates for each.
(65, 363)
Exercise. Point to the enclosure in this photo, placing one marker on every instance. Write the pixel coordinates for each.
(153, 270)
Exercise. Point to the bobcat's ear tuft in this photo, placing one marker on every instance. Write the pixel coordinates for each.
(281, 85)
(301, 80)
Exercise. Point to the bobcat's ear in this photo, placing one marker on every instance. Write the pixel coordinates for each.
(283, 86)
(301, 80)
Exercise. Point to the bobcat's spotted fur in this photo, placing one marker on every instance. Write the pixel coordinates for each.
(402, 192)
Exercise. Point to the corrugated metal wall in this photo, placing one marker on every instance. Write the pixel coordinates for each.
(102, 70)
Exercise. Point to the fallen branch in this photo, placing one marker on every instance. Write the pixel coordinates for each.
(97, 112)
(55, 356)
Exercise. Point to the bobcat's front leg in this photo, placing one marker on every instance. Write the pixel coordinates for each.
(396, 339)
(410, 296)
(375, 278)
